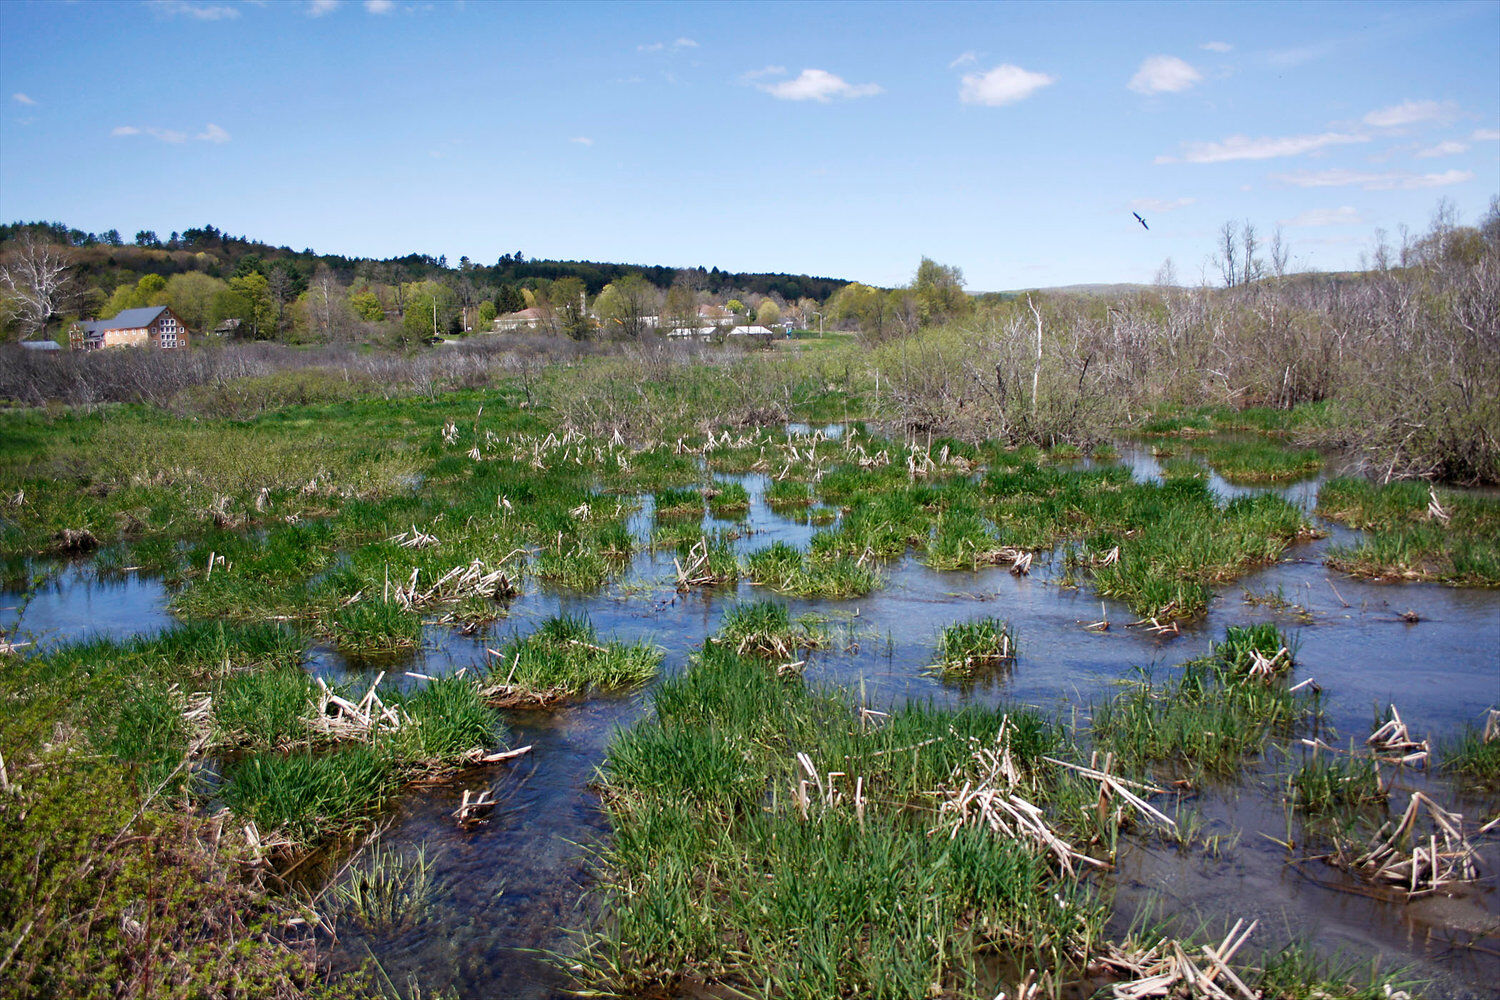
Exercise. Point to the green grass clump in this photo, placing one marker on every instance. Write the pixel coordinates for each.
(728, 498)
(782, 568)
(1473, 758)
(969, 648)
(721, 868)
(311, 796)
(375, 625)
(1255, 460)
(1406, 539)
(564, 658)
(766, 628)
(146, 733)
(789, 493)
(1243, 643)
(264, 709)
(576, 568)
(445, 719)
(1296, 972)
(679, 502)
(1206, 721)
(1335, 788)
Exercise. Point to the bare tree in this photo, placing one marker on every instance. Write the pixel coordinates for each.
(1228, 256)
(1279, 253)
(1381, 255)
(1252, 265)
(36, 282)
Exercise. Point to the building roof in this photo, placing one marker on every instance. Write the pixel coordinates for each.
(128, 319)
(41, 345)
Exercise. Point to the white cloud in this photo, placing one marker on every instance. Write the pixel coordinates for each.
(1242, 147)
(197, 12)
(1485, 134)
(1449, 147)
(1390, 181)
(968, 58)
(317, 8)
(1160, 205)
(380, 6)
(1005, 84)
(676, 45)
(582, 140)
(818, 85)
(1345, 215)
(20, 98)
(1216, 47)
(210, 133)
(1412, 113)
(1163, 75)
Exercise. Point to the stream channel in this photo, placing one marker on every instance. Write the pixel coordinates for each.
(516, 889)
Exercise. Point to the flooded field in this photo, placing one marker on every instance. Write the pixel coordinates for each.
(513, 892)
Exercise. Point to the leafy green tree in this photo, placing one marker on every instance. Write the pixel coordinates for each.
(191, 296)
(681, 308)
(624, 305)
(940, 292)
(259, 310)
(486, 315)
(566, 297)
(509, 299)
(366, 305)
(768, 312)
(431, 308)
(735, 306)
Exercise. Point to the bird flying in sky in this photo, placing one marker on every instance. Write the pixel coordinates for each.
(1140, 220)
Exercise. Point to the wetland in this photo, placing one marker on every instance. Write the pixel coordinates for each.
(465, 697)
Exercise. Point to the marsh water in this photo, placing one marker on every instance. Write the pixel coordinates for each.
(512, 892)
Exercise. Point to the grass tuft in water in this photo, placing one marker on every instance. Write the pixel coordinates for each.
(388, 890)
(968, 648)
(375, 625)
(766, 628)
(1474, 758)
(564, 658)
(1335, 788)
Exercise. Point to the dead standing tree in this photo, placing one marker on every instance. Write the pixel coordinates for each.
(36, 282)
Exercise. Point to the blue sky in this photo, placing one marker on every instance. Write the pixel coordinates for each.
(839, 139)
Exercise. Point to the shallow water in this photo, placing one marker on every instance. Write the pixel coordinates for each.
(512, 890)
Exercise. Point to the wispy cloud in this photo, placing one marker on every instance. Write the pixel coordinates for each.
(318, 8)
(676, 45)
(582, 140)
(192, 11)
(1485, 134)
(1160, 205)
(380, 6)
(968, 58)
(1413, 113)
(1216, 47)
(1304, 54)
(1344, 215)
(1242, 147)
(1450, 147)
(764, 71)
(210, 133)
(20, 98)
(1005, 84)
(1389, 181)
(1164, 75)
(818, 85)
